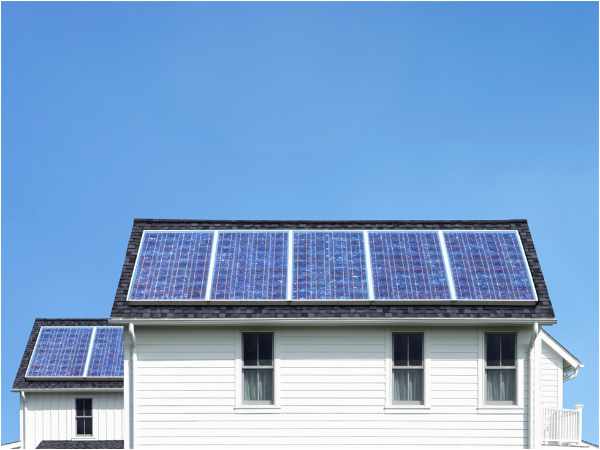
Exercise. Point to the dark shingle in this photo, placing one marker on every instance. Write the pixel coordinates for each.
(22, 383)
(81, 444)
(123, 309)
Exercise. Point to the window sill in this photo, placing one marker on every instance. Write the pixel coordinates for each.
(408, 408)
(83, 438)
(500, 407)
(257, 409)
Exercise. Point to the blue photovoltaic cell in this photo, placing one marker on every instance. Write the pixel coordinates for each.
(407, 265)
(329, 265)
(172, 266)
(250, 266)
(488, 266)
(60, 352)
(107, 353)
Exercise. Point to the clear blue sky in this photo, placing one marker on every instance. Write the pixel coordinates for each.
(315, 111)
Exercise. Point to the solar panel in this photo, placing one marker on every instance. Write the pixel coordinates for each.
(250, 266)
(329, 265)
(488, 266)
(60, 352)
(107, 353)
(407, 265)
(172, 266)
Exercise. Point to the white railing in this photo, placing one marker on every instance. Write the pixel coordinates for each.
(563, 426)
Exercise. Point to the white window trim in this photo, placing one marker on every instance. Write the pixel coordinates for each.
(258, 408)
(83, 437)
(521, 344)
(396, 407)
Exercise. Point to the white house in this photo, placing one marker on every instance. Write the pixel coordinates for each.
(254, 334)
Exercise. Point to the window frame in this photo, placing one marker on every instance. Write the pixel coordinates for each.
(244, 406)
(83, 417)
(399, 406)
(499, 367)
(521, 337)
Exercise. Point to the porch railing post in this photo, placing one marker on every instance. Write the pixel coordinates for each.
(579, 409)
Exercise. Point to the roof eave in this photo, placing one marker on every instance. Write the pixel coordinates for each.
(299, 321)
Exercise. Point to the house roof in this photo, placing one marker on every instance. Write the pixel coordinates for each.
(22, 383)
(124, 310)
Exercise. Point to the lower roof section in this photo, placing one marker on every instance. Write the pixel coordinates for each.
(83, 443)
(22, 383)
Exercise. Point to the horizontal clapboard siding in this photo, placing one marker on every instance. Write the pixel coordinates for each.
(551, 378)
(331, 392)
(51, 416)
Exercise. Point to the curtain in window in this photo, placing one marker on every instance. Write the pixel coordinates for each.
(501, 385)
(258, 385)
(408, 385)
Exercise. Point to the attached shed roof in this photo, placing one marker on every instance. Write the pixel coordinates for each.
(570, 361)
(124, 310)
(22, 383)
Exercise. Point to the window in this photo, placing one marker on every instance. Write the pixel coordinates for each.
(407, 368)
(500, 368)
(83, 416)
(257, 368)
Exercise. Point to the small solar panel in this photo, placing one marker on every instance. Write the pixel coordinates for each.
(60, 352)
(407, 265)
(250, 266)
(107, 353)
(488, 266)
(172, 266)
(329, 265)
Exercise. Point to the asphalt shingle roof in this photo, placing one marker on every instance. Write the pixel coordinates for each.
(22, 383)
(127, 310)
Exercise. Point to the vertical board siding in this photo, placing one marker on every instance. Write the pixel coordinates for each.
(331, 392)
(51, 416)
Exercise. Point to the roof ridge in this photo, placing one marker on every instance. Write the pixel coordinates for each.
(341, 221)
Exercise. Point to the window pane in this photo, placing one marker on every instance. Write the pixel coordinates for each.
(265, 349)
(87, 425)
(408, 385)
(83, 407)
(500, 385)
(508, 349)
(79, 407)
(258, 385)
(87, 407)
(250, 345)
(80, 426)
(415, 349)
(492, 349)
(400, 349)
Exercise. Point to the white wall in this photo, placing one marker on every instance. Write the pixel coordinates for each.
(551, 378)
(51, 416)
(331, 391)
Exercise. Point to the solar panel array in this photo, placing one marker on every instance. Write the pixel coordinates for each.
(331, 265)
(106, 359)
(250, 265)
(172, 265)
(488, 266)
(60, 352)
(408, 265)
(77, 352)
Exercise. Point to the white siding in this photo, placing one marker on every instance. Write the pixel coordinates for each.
(551, 378)
(51, 416)
(331, 391)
